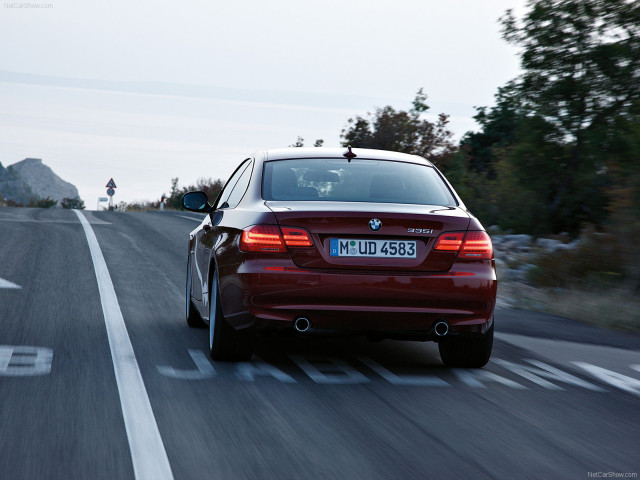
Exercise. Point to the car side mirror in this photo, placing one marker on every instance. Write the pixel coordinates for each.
(196, 202)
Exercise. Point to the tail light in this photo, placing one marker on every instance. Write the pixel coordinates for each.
(296, 237)
(471, 245)
(262, 238)
(477, 245)
(270, 238)
(449, 242)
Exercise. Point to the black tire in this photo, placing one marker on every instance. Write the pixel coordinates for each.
(472, 351)
(225, 343)
(194, 319)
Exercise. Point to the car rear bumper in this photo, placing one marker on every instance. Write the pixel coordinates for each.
(268, 296)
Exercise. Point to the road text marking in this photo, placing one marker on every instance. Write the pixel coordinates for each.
(535, 375)
(414, 380)
(145, 444)
(247, 371)
(615, 379)
(329, 370)
(340, 371)
(23, 361)
(204, 368)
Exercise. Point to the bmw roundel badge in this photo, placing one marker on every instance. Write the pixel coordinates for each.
(375, 224)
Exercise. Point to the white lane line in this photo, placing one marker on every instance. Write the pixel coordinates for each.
(145, 444)
(192, 218)
(7, 284)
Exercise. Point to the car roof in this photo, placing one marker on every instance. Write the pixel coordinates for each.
(322, 152)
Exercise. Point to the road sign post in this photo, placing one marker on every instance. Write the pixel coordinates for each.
(111, 185)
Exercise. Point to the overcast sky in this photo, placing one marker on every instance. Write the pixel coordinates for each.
(272, 71)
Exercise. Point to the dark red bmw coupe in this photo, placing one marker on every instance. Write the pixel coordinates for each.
(321, 240)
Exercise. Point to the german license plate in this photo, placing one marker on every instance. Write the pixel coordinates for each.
(341, 247)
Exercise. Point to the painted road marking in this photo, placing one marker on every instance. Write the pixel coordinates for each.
(145, 444)
(338, 371)
(7, 284)
(329, 370)
(415, 380)
(203, 368)
(478, 378)
(199, 220)
(615, 379)
(23, 361)
(247, 371)
(536, 375)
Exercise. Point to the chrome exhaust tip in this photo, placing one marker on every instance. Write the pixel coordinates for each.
(302, 324)
(441, 329)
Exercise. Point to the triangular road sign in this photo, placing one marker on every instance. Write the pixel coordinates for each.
(111, 184)
(7, 284)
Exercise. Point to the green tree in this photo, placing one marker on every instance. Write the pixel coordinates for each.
(581, 78)
(581, 61)
(403, 131)
(300, 143)
(174, 187)
(208, 185)
(499, 127)
(174, 200)
(562, 136)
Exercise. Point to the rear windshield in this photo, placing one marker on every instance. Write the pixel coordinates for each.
(337, 180)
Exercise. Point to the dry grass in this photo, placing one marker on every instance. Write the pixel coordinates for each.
(597, 282)
(611, 308)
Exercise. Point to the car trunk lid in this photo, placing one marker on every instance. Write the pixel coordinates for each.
(344, 240)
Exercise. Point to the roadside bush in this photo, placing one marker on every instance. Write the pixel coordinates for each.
(42, 203)
(72, 203)
(139, 206)
(600, 260)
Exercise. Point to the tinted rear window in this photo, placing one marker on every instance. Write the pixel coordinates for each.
(337, 180)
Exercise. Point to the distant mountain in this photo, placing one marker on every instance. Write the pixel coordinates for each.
(12, 187)
(29, 179)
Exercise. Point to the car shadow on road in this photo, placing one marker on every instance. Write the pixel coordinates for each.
(389, 352)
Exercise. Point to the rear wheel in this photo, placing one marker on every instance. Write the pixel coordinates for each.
(225, 342)
(193, 317)
(471, 351)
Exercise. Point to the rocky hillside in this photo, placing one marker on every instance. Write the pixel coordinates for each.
(12, 187)
(30, 178)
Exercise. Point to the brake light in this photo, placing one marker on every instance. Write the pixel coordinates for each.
(262, 238)
(449, 242)
(270, 238)
(477, 245)
(472, 245)
(296, 237)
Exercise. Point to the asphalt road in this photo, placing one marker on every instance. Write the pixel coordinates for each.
(558, 400)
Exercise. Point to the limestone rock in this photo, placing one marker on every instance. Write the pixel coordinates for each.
(42, 180)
